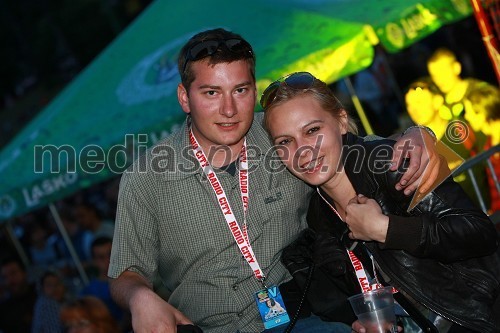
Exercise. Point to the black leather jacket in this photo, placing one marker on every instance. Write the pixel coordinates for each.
(441, 253)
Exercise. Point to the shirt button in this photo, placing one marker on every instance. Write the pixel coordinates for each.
(235, 287)
(240, 314)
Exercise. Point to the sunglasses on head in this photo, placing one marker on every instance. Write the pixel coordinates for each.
(299, 80)
(209, 47)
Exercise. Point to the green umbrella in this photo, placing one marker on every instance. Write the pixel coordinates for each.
(125, 100)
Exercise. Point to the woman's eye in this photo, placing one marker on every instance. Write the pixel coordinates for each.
(283, 142)
(312, 130)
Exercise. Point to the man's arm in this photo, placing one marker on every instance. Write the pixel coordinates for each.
(150, 313)
(419, 145)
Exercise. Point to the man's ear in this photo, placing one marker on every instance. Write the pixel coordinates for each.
(182, 96)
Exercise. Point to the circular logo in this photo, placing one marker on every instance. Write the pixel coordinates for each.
(457, 131)
(7, 206)
(395, 34)
(154, 77)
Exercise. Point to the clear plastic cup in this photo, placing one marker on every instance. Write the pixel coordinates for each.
(375, 310)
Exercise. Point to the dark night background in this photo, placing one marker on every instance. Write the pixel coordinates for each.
(45, 43)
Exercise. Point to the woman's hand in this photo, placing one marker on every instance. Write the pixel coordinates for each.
(365, 219)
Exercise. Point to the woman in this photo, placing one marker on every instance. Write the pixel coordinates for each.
(437, 255)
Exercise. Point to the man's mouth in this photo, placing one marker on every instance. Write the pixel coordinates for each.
(226, 124)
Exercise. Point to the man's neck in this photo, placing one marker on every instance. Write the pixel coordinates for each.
(221, 156)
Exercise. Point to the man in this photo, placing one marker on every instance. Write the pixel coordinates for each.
(98, 286)
(445, 72)
(210, 225)
(16, 311)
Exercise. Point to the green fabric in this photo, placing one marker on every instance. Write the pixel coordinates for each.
(129, 91)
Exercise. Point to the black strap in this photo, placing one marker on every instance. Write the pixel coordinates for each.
(292, 323)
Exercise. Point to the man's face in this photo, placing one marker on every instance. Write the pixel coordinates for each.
(14, 277)
(101, 254)
(445, 73)
(54, 288)
(221, 102)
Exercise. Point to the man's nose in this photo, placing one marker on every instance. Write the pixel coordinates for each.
(228, 107)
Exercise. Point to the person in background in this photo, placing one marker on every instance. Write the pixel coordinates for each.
(422, 103)
(52, 294)
(87, 314)
(376, 238)
(193, 248)
(89, 218)
(455, 140)
(41, 249)
(98, 285)
(445, 72)
(482, 111)
(16, 311)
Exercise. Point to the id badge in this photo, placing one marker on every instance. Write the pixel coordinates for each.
(271, 307)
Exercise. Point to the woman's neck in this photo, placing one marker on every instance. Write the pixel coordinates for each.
(340, 189)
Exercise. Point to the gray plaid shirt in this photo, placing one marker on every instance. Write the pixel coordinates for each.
(169, 223)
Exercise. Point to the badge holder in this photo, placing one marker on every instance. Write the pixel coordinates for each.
(271, 307)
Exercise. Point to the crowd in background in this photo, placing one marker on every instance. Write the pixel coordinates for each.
(49, 294)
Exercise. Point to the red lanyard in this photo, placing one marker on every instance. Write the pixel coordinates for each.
(361, 275)
(240, 236)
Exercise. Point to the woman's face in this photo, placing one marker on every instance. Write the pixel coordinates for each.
(308, 138)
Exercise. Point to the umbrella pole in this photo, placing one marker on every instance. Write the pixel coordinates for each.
(17, 245)
(392, 79)
(69, 244)
(489, 39)
(358, 106)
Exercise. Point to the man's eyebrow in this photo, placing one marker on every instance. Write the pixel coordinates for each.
(209, 86)
(243, 84)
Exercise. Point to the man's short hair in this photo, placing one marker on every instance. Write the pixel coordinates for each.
(222, 54)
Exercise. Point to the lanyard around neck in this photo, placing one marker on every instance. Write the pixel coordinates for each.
(240, 236)
(359, 269)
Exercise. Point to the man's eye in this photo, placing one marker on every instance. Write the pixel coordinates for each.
(210, 92)
(241, 90)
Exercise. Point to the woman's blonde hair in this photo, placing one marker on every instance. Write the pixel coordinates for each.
(320, 91)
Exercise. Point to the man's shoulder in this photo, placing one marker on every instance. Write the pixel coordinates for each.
(167, 158)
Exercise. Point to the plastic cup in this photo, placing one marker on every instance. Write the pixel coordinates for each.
(375, 310)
